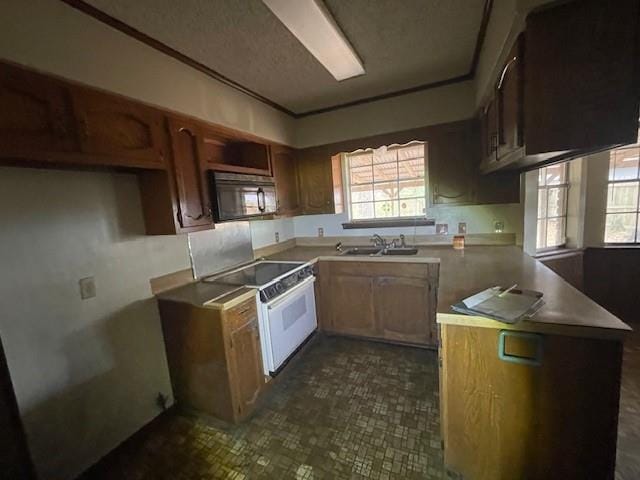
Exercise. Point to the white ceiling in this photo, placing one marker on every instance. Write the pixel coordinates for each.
(402, 43)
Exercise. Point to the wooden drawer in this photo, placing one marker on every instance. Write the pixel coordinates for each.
(241, 314)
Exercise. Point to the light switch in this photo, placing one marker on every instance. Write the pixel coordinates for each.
(277, 237)
(462, 228)
(320, 232)
(87, 288)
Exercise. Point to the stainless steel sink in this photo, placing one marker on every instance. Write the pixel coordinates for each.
(400, 251)
(371, 251)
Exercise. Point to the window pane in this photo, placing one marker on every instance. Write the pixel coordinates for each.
(541, 240)
(557, 202)
(385, 172)
(360, 159)
(411, 168)
(411, 151)
(622, 197)
(386, 209)
(385, 191)
(361, 175)
(362, 193)
(541, 177)
(413, 207)
(555, 174)
(555, 232)
(382, 155)
(542, 203)
(625, 164)
(620, 228)
(412, 188)
(361, 211)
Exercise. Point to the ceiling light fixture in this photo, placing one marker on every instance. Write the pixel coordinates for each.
(312, 24)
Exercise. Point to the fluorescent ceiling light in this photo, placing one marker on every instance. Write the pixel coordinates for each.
(312, 24)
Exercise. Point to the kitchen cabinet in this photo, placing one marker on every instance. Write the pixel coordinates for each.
(568, 86)
(542, 406)
(36, 117)
(116, 131)
(224, 154)
(509, 97)
(451, 166)
(316, 181)
(194, 206)
(581, 83)
(285, 173)
(214, 357)
(387, 301)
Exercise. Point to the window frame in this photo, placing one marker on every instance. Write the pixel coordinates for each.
(613, 181)
(565, 186)
(388, 221)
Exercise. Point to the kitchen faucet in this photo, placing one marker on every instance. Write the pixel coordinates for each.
(378, 241)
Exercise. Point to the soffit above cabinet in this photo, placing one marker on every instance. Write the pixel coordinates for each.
(403, 45)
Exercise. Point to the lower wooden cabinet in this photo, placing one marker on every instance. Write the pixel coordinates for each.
(544, 408)
(214, 356)
(390, 301)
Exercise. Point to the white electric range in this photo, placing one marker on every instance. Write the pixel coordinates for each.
(286, 306)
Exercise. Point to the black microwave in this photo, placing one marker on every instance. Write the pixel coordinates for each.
(235, 196)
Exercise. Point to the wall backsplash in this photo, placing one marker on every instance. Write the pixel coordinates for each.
(479, 219)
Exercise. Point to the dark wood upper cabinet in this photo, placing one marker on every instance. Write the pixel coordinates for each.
(128, 133)
(489, 121)
(285, 173)
(225, 154)
(191, 188)
(35, 114)
(510, 96)
(315, 178)
(582, 76)
(451, 166)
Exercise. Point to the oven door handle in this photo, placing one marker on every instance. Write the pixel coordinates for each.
(262, 207)
(276, 302)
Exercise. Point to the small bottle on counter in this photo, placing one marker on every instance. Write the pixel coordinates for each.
(458, 242)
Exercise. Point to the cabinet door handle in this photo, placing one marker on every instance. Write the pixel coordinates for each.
(505, 70)
(536, 338)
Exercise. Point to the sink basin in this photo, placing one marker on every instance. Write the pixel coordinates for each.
(362, 251)
(400, 251)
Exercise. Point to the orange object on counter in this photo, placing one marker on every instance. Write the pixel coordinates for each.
(458, 242)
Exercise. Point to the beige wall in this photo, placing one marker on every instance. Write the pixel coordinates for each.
(429, 107)
(86, 372)
(52, 37)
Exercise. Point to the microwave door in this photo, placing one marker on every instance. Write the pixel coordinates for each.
(236, 201)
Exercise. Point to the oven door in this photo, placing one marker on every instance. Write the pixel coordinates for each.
(290, 319)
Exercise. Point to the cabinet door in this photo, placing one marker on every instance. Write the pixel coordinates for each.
(285, 172)
(125, 132)
(349, 304)
(510, 91)
(403, 310)
(581, 76)
(35, 114)
(451, 166)
(245, 359)
(194, 206)
(316, 182)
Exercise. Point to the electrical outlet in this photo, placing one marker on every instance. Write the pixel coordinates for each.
(277, 237)
(462, 228)
(320, 232)
(442, 228)
(87, 288)
(498, 226)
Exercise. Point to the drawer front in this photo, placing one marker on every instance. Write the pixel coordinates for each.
(241, 314)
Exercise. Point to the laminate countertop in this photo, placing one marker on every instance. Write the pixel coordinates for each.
(464, 272)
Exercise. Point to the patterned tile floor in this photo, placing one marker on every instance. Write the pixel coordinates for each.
(350, 410)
